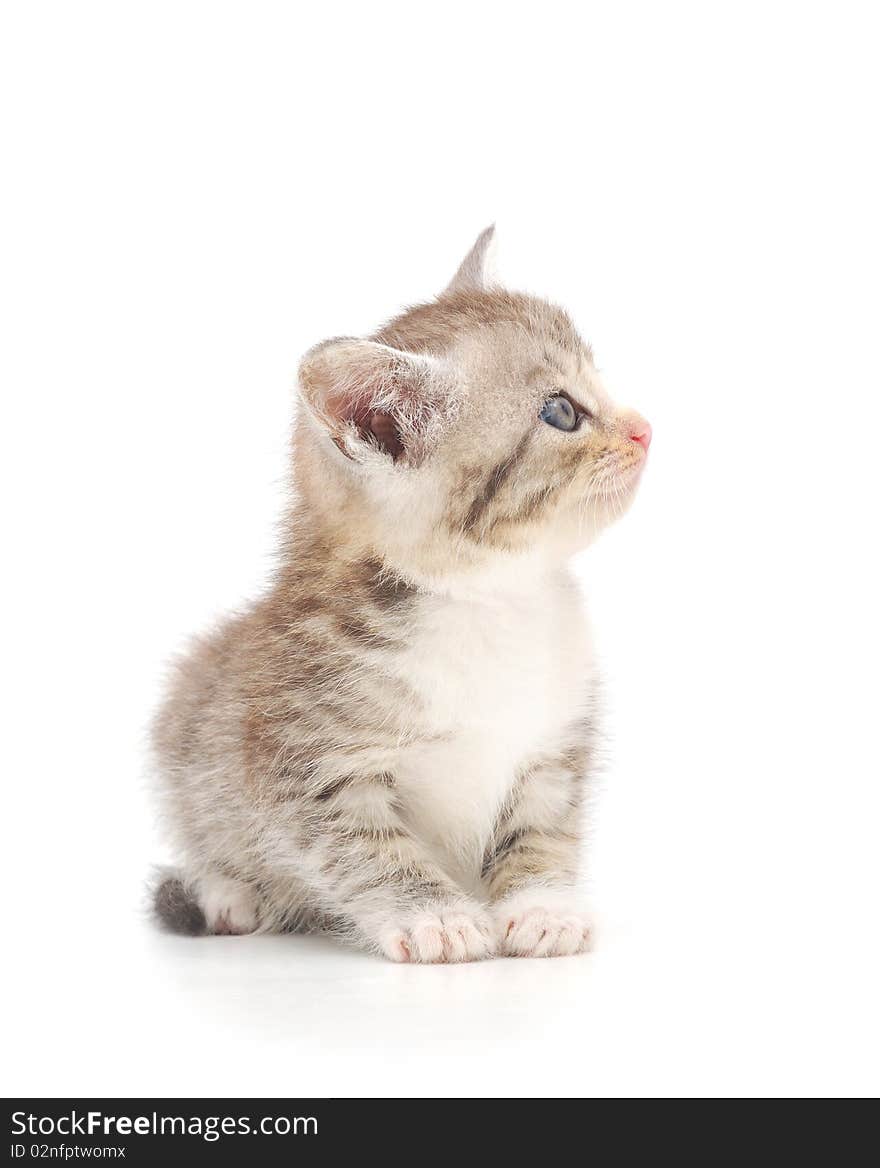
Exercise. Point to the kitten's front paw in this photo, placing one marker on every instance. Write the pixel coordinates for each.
(439, 933)
(540, 924)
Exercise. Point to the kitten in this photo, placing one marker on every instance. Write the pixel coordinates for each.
(393, 743)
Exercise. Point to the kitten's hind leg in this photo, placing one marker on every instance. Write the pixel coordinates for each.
(231, 907)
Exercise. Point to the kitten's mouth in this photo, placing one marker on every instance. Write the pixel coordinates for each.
(628, 476)
(620, 487)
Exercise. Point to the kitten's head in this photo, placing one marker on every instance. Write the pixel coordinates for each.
(468, 431)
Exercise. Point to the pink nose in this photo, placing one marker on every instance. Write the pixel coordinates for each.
(641, 433)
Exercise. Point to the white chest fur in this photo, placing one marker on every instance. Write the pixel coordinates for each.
(499, 675)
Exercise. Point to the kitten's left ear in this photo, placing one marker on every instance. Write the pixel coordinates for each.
(477, 269)
(377, 402)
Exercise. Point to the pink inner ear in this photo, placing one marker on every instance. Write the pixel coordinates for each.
(384, 429)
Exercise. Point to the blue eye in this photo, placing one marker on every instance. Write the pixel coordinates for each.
(559, 412)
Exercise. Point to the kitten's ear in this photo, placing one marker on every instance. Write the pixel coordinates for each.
(477, 268)
(375, 401)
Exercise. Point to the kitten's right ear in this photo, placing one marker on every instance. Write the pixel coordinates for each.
(375, 401)
(476, 271)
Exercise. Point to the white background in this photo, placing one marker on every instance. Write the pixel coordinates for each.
(193, 194)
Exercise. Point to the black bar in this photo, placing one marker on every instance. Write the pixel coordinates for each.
(288, 1131)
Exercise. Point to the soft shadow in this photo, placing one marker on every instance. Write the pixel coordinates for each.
(308, 987)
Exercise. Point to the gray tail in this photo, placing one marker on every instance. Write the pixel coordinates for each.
(176, 908)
